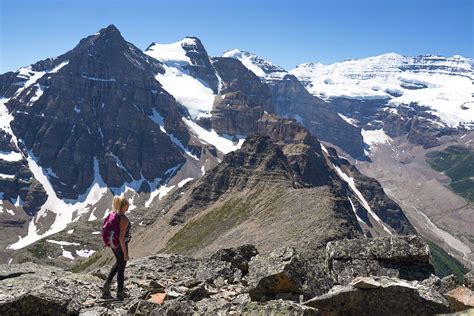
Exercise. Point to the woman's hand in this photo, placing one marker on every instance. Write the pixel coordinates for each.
(125, 257)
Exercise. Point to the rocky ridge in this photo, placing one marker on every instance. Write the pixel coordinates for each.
(237, 281)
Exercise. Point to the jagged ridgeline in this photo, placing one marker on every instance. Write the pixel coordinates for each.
(106, 118)
(238, 196)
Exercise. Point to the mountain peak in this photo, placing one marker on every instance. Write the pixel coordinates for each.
(109, 28)
(110, 32)
(262, 68)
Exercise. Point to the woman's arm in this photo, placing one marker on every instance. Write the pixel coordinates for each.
(123, 230)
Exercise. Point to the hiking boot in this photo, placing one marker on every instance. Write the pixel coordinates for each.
(105, 289)
(121, 295)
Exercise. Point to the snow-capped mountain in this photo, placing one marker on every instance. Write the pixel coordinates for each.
(261, 67)
(443, 85)
(88, 124)
(291, 99)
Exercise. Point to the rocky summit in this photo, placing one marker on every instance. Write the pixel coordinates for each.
(242, 281)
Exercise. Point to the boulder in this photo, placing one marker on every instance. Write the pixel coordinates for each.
(380, 296)
(31, 289)
(460, 299)
(238, 257)
(469, 280)
(404, 257)
(280, 271)
(443, 285)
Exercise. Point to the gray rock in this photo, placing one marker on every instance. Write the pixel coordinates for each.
(469, 280)
(198, 293)
(448, 283)
(281, 271)
(238, 257)
(212, 269)
(404, 257)
(381, 296)
(31, 289)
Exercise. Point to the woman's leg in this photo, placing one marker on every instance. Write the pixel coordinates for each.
(120, 269)
(114, 269)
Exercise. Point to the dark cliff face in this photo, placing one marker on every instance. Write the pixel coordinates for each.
(201, 67)
(242, 101)
(99, 105)
(17, 182)
(291, 99)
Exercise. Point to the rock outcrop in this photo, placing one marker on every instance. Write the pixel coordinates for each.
(291, 99)
(380, 296)
(242, 101)
(401, 257)
(282, 272)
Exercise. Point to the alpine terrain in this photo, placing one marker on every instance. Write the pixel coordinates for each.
(326, 189)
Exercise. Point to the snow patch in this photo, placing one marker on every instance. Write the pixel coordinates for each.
(373, 137)
(161, 192)
(211, 137)
(62, 243)
(6, 176)
(183, 182)
(350, 181)
(349, 120)
(99, 79)
(193, 93)
(68, 254)
(63, 209)
(85, 253)
(10, 156)
(355, 212)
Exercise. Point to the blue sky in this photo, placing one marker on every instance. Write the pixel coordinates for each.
(286, 32)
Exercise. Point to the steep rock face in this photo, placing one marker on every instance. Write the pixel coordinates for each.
(201, 66)
(17, 183)
(258, 161)
(302, 150)
(82, 110)
(369, 201)
(291, 99)
(243, 100)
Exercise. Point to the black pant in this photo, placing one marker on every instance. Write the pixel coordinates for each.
(119, 267)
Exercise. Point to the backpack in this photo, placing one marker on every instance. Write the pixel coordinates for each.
(111, 230)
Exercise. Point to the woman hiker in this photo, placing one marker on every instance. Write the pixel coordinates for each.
(120, 206)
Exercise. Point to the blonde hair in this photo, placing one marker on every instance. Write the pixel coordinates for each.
(118, 203)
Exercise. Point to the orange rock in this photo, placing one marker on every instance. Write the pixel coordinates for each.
(157, 298)
(461, 298)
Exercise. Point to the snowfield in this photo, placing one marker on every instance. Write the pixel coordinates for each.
(442, 84)
(194, 94)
